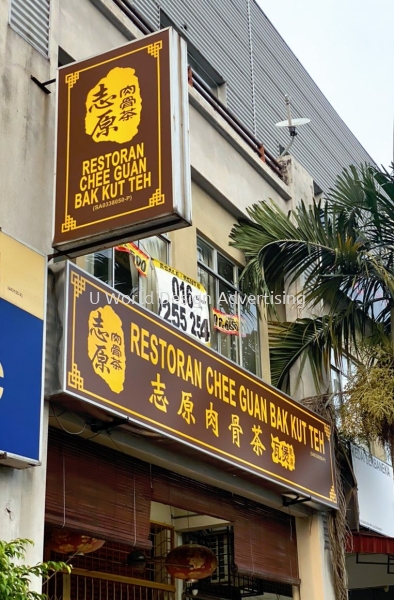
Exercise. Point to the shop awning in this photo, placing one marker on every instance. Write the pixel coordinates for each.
(365, 543)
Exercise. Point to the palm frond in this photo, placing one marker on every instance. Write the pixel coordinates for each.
(341, 249)
(317, 339)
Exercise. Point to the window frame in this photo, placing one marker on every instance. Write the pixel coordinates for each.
(112, 268)
(213, 271)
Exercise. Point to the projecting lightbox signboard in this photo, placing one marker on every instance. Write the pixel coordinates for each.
(126, 360)
(123, 165)
(375, 491)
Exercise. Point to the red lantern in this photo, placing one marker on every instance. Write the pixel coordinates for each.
(190, 562)
(70, 542)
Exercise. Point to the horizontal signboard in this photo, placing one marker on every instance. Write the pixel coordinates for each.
(123, 163)
(125, 359)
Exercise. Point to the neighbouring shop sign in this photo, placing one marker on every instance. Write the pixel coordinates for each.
(22, 311)
(123, 165)
(375, 491)
(128, 361)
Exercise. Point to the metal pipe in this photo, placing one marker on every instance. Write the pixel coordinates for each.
(287, 100)
(134, 16)
(138, 20)
(246, 131)
(246, 136)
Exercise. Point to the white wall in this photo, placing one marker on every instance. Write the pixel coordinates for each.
(85, 31)
(369, 576)
(27, 118)
(22, 505)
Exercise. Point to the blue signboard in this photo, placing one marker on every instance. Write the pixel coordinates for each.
(21, 356)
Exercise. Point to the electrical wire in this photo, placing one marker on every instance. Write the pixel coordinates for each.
(63, 428)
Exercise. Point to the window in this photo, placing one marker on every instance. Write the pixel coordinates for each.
(117, 269)
(339, 379)
(219, 276)
(340, 375)
(64, 58)
(30, 18)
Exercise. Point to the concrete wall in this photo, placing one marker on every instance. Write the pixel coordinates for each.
(369, 575)
(300, 185)
(22, 505)
(313, 560)
(85, 29)
(27, 120)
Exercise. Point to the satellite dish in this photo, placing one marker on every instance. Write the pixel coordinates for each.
(291, 124)
(294, 122)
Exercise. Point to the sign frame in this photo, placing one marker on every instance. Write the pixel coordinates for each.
(167, 208)
(68, 381)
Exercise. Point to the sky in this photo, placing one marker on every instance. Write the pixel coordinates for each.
(347, 47)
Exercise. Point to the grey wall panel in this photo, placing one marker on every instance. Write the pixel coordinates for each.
(326, 145)
(231, 42)
(306, 96)
(220, 31)
(150, 10)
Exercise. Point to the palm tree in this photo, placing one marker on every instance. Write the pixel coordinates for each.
(343, 248)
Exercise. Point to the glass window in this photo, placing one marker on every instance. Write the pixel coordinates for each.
(339, 380)
(116, 268)
(226, 269)
(219, 276)
(204, 253)
(99, 264)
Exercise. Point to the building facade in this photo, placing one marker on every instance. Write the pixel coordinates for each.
(115, 472)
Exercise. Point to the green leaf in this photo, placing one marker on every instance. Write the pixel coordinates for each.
(15, 579)
(341, 248)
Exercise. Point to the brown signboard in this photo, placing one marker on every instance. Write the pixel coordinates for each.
(121, 357)
(122, 144)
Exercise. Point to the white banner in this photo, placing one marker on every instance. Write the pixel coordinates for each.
(375, 491)
(182, 302)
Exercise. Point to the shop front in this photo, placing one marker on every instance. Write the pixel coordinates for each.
(96, 493)
(146, 392)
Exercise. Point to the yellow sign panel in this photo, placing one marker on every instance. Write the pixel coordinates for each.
(22, 276)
